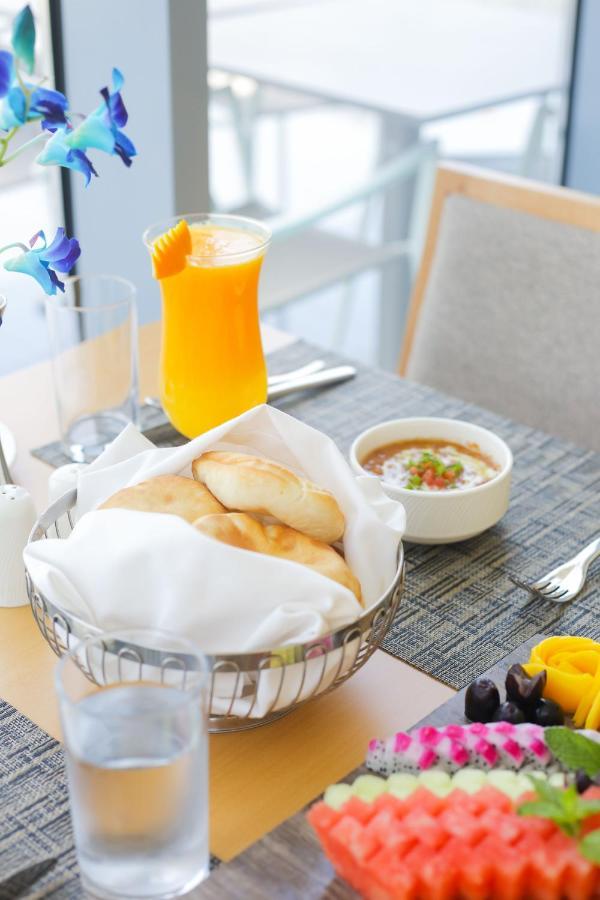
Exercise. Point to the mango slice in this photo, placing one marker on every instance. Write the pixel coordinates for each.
(572, 666)
(170, 251)
(593, 719)
(587, 701)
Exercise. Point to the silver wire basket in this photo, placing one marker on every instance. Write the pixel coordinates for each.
(246, 689)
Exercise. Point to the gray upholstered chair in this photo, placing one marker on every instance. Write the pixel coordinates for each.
(506, 307)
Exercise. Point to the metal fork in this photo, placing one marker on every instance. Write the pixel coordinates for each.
(566, 581)
(274, 380)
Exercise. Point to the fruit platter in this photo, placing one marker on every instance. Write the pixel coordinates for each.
(495, 796)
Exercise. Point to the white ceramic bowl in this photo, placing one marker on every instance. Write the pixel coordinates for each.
(442, 517)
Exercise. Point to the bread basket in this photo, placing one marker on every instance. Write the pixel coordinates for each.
(290, 675)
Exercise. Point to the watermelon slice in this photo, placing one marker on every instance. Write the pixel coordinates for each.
(459, 846)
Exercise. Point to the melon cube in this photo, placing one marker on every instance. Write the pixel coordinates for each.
(382, 825)
(423, 799)
(368, 787)
(475, 875)
(387, 801)
(508, 827)
(351, 834)
(322, 816)
(425, 828)
(582, 878)
(390, 876)
(337, 794)
(436, 781)
(401, 784)
(463, 825)
(358, 809)
(491, 798)
(462, 802)
(543, 828)
(469, 779)
(510, 869)
(439, 876)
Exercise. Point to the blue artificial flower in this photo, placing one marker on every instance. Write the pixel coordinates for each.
(6, 72)
(12, 104)
(115, 115)
(45, 104)
(101, 130)
(51, 106)
(23, 38)
(44, 262)
(58, 151)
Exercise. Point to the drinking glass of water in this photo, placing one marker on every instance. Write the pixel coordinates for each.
(133, 710)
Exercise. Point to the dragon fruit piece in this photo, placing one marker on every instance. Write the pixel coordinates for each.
(428, 735)
(378, 756)
(451, 748)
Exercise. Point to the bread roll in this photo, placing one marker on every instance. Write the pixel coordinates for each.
(241, 530)
(172, 494)
(252, 484)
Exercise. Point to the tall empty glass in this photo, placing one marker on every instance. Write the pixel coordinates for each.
(93, 338)
(133, 714)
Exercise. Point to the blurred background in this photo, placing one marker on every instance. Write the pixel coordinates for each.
(324, 117)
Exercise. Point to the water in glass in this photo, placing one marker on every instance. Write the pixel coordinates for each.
(139, 792)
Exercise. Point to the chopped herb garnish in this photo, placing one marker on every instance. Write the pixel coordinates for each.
(564, 806)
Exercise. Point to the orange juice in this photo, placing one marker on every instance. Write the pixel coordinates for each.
(212, 365)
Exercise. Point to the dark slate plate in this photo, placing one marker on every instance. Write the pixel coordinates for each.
(287, 864)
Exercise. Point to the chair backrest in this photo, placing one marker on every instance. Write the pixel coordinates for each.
(506, 307)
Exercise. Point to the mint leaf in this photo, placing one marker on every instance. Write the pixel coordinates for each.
(547, 791)
(23, 38)
(590, 846)
(574, 750)
(563, 806)
(550, 811)
(540, 808)
(571, 804)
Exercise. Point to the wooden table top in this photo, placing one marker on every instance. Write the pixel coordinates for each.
(260, 777)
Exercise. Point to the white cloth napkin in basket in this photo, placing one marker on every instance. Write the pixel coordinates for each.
(123, 569)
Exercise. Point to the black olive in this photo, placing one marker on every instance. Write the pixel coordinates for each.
(524, 689)
(547, 712)
(582, 781)
(509, 712)
(481, 700)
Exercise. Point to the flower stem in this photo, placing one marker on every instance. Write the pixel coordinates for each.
(25, 90)
(15, 246)
(4, 142)
(4, 160)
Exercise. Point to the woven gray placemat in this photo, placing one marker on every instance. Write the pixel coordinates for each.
(460, 613)
(37, 857)
(37, 854)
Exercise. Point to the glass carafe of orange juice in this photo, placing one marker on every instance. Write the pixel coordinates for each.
(212, 366)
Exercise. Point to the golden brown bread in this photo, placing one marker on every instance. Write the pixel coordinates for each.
(253, 484)
(172, 494)
(241, 530)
